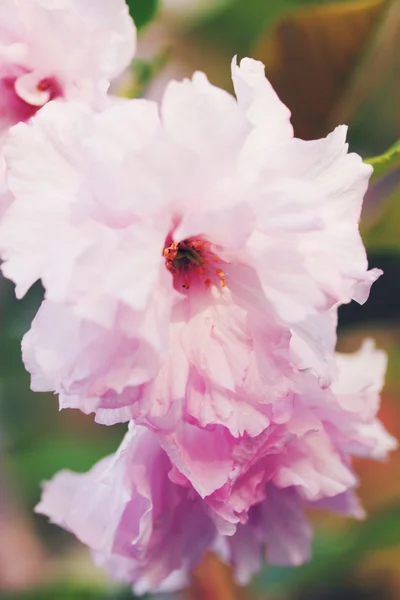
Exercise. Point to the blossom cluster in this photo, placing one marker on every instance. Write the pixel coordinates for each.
(193, 256)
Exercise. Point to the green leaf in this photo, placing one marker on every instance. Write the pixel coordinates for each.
(37, 460)
(144, 72)
(385, 163)
(142, 11)
(380, 531)
(67, 590)
(240, 23)
(383, 232)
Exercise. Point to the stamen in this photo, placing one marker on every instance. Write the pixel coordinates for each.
(193, 258)
(221, 276)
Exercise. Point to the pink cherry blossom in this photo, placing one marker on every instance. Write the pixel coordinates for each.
(153, 510)
(59, 49)
(195, 255)
(144, 528)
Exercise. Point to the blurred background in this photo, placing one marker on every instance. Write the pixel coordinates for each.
(331, 62)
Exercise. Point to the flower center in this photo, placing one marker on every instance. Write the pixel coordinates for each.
(193, 259)
(23, 94)
(36, 91)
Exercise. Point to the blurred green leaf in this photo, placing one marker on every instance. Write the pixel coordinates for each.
(39, 458)
(392, 381)
(240, 23)
(385, 163)
(11, 361)
(142, 11)
(192, 13)
(67, 590)
(383, 232)
(381, 530)
(144, 72)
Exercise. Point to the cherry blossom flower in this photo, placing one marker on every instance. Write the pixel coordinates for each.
(150, 512)
(193, 258)
(65, 49)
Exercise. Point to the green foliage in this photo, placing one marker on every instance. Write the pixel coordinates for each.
(144, 72)
(39, 458)
(385, 163)
(239, 24)
(142, 11)
(66, 590)
(382, 234)
(380, 531)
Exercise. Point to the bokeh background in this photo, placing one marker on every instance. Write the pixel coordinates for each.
(331, 62)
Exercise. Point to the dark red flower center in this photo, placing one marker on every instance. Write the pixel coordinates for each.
(193, 259)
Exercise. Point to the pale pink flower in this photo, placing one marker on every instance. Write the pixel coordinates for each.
(195, 257)
(151, 512)
(65, 49)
